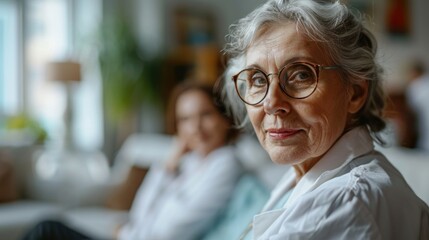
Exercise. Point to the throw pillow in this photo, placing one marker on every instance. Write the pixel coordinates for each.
(122, 197)
(8, 188)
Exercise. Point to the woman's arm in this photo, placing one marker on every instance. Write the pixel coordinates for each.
(188, 213)
(180, 148)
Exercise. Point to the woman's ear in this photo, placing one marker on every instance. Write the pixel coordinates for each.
(358, 95)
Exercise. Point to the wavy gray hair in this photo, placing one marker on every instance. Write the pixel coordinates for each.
(329, 22)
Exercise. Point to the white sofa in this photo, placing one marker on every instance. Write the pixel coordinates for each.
(142, 150)
(91, 217)
(39, 200)
(86, 211)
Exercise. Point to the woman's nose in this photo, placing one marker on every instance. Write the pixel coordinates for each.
(197, 124)
(276, 101)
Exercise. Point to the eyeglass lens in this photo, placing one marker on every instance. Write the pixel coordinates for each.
(297, 80)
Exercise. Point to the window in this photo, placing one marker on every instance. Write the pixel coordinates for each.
(35, 32)
(10, 101)
(46, 39)
(52, 31)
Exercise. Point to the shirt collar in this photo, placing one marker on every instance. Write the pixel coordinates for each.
(355, 143)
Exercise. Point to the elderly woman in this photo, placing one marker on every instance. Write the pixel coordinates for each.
(306, 73)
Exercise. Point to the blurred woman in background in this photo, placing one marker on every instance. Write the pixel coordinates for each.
(182, 198)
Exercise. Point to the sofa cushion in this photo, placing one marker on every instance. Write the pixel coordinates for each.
(8, 187)
(123, 195)
(248, 199)
(20, 157)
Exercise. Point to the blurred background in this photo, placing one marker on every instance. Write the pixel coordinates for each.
(131, 53)
(79, 78)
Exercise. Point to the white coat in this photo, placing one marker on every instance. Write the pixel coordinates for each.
(353, 192)
(184, 206)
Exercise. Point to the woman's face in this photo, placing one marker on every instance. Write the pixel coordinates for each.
(199, 123)
(298, 131)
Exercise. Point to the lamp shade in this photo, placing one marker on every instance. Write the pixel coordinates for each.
(63, 71)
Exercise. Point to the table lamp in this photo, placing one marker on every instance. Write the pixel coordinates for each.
(69, 74)
(65, 166)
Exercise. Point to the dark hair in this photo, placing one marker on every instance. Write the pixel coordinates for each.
(206, 89)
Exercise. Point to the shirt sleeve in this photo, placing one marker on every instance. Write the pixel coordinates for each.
(156, 180)
(188, 213)
(331, 215)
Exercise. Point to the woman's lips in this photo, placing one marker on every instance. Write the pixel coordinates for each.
(281, 134)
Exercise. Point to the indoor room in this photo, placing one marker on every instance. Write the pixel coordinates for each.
(87, 105)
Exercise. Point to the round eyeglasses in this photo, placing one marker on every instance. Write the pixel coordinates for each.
(297, 80)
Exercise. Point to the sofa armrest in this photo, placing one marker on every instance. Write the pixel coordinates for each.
(71, 194)
(141, 150)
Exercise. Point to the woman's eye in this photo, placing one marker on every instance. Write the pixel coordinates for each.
(259, 80)
(300, 76)
(207, 113)
(182, 119)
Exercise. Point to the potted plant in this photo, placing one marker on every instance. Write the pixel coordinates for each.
(129, 78)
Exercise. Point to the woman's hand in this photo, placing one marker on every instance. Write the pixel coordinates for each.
(181, 148)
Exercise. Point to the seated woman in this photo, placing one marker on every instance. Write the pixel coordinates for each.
(306, 72)
(181, 199)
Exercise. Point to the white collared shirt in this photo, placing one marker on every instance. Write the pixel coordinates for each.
(184, 206)
(353, 192)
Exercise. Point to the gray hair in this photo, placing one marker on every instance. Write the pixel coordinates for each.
(348, 42)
